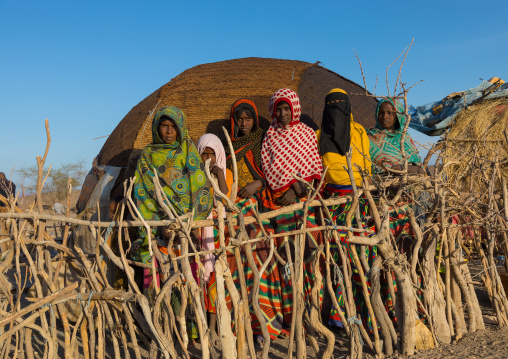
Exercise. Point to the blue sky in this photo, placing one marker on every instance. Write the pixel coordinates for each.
(84, 65)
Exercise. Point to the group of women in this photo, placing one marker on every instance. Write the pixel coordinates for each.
(268, 164)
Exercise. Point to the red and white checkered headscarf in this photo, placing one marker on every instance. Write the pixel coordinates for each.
(289, 149)
(291, 98)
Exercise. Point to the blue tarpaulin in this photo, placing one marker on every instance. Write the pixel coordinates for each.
(434, 118)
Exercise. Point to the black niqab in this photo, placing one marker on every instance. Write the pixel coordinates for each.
(336, 125)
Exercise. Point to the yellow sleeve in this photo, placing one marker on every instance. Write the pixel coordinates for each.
(366, 151)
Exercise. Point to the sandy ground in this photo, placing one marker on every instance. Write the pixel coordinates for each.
(489, 343)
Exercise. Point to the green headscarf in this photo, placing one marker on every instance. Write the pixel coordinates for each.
(385, 144)
(180, 171)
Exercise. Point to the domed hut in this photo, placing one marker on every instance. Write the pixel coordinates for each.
(206, 92)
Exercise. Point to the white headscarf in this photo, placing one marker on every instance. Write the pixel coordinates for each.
(212, 141)
(207, 238)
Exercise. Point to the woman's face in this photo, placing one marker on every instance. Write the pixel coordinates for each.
(208, 153)
(168, 132)
(245, 122)
(283, 113)
(386, 116)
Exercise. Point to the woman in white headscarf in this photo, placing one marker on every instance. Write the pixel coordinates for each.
(210, 147)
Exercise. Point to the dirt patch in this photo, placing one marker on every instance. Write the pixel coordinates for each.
(489, 343)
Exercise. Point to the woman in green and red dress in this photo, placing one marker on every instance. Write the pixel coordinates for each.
(386, 154)
(246, 137)
(289, 148)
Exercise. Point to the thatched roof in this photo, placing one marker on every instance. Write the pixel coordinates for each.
(476, 139)
(206, 92)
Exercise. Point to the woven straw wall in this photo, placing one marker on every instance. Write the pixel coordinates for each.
(206, 92)
(474, 140)
(315, 84)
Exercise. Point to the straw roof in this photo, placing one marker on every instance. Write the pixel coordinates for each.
(476, 138)
(206, 92)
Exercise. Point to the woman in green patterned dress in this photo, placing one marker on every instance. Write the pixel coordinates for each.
(387, 159)
(178, 165)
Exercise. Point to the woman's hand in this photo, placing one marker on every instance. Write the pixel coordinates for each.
(216, 170)
(299, 189)
(288, 198)
(221, 179)
(249, 190)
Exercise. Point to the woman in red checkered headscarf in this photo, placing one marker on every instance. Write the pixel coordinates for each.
(290, 147)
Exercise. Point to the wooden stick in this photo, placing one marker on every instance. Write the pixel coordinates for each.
(243, 237)
(227, 338)
(359, 262)
(329, 285)
(405, 287)
(172, 223)
(315, 305)
(436, 305)
(37, 305)
(167, 340)
(462, 285)
(386, 325)
(255, 293)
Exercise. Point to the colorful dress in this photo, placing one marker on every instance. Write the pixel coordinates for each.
(333, 144)
(210, 140)
(285, 223)
(339, 133)
(210, 235)
(247, 151)
(181, 174)
(287, 150)
(385, 151)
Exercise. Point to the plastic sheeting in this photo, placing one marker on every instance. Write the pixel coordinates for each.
(434, 118)
(97, 187)
(81, 235)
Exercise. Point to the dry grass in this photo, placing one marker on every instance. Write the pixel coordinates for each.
(478, 133)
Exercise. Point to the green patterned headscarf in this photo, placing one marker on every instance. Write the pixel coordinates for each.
(385, 144)
(180, 171)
